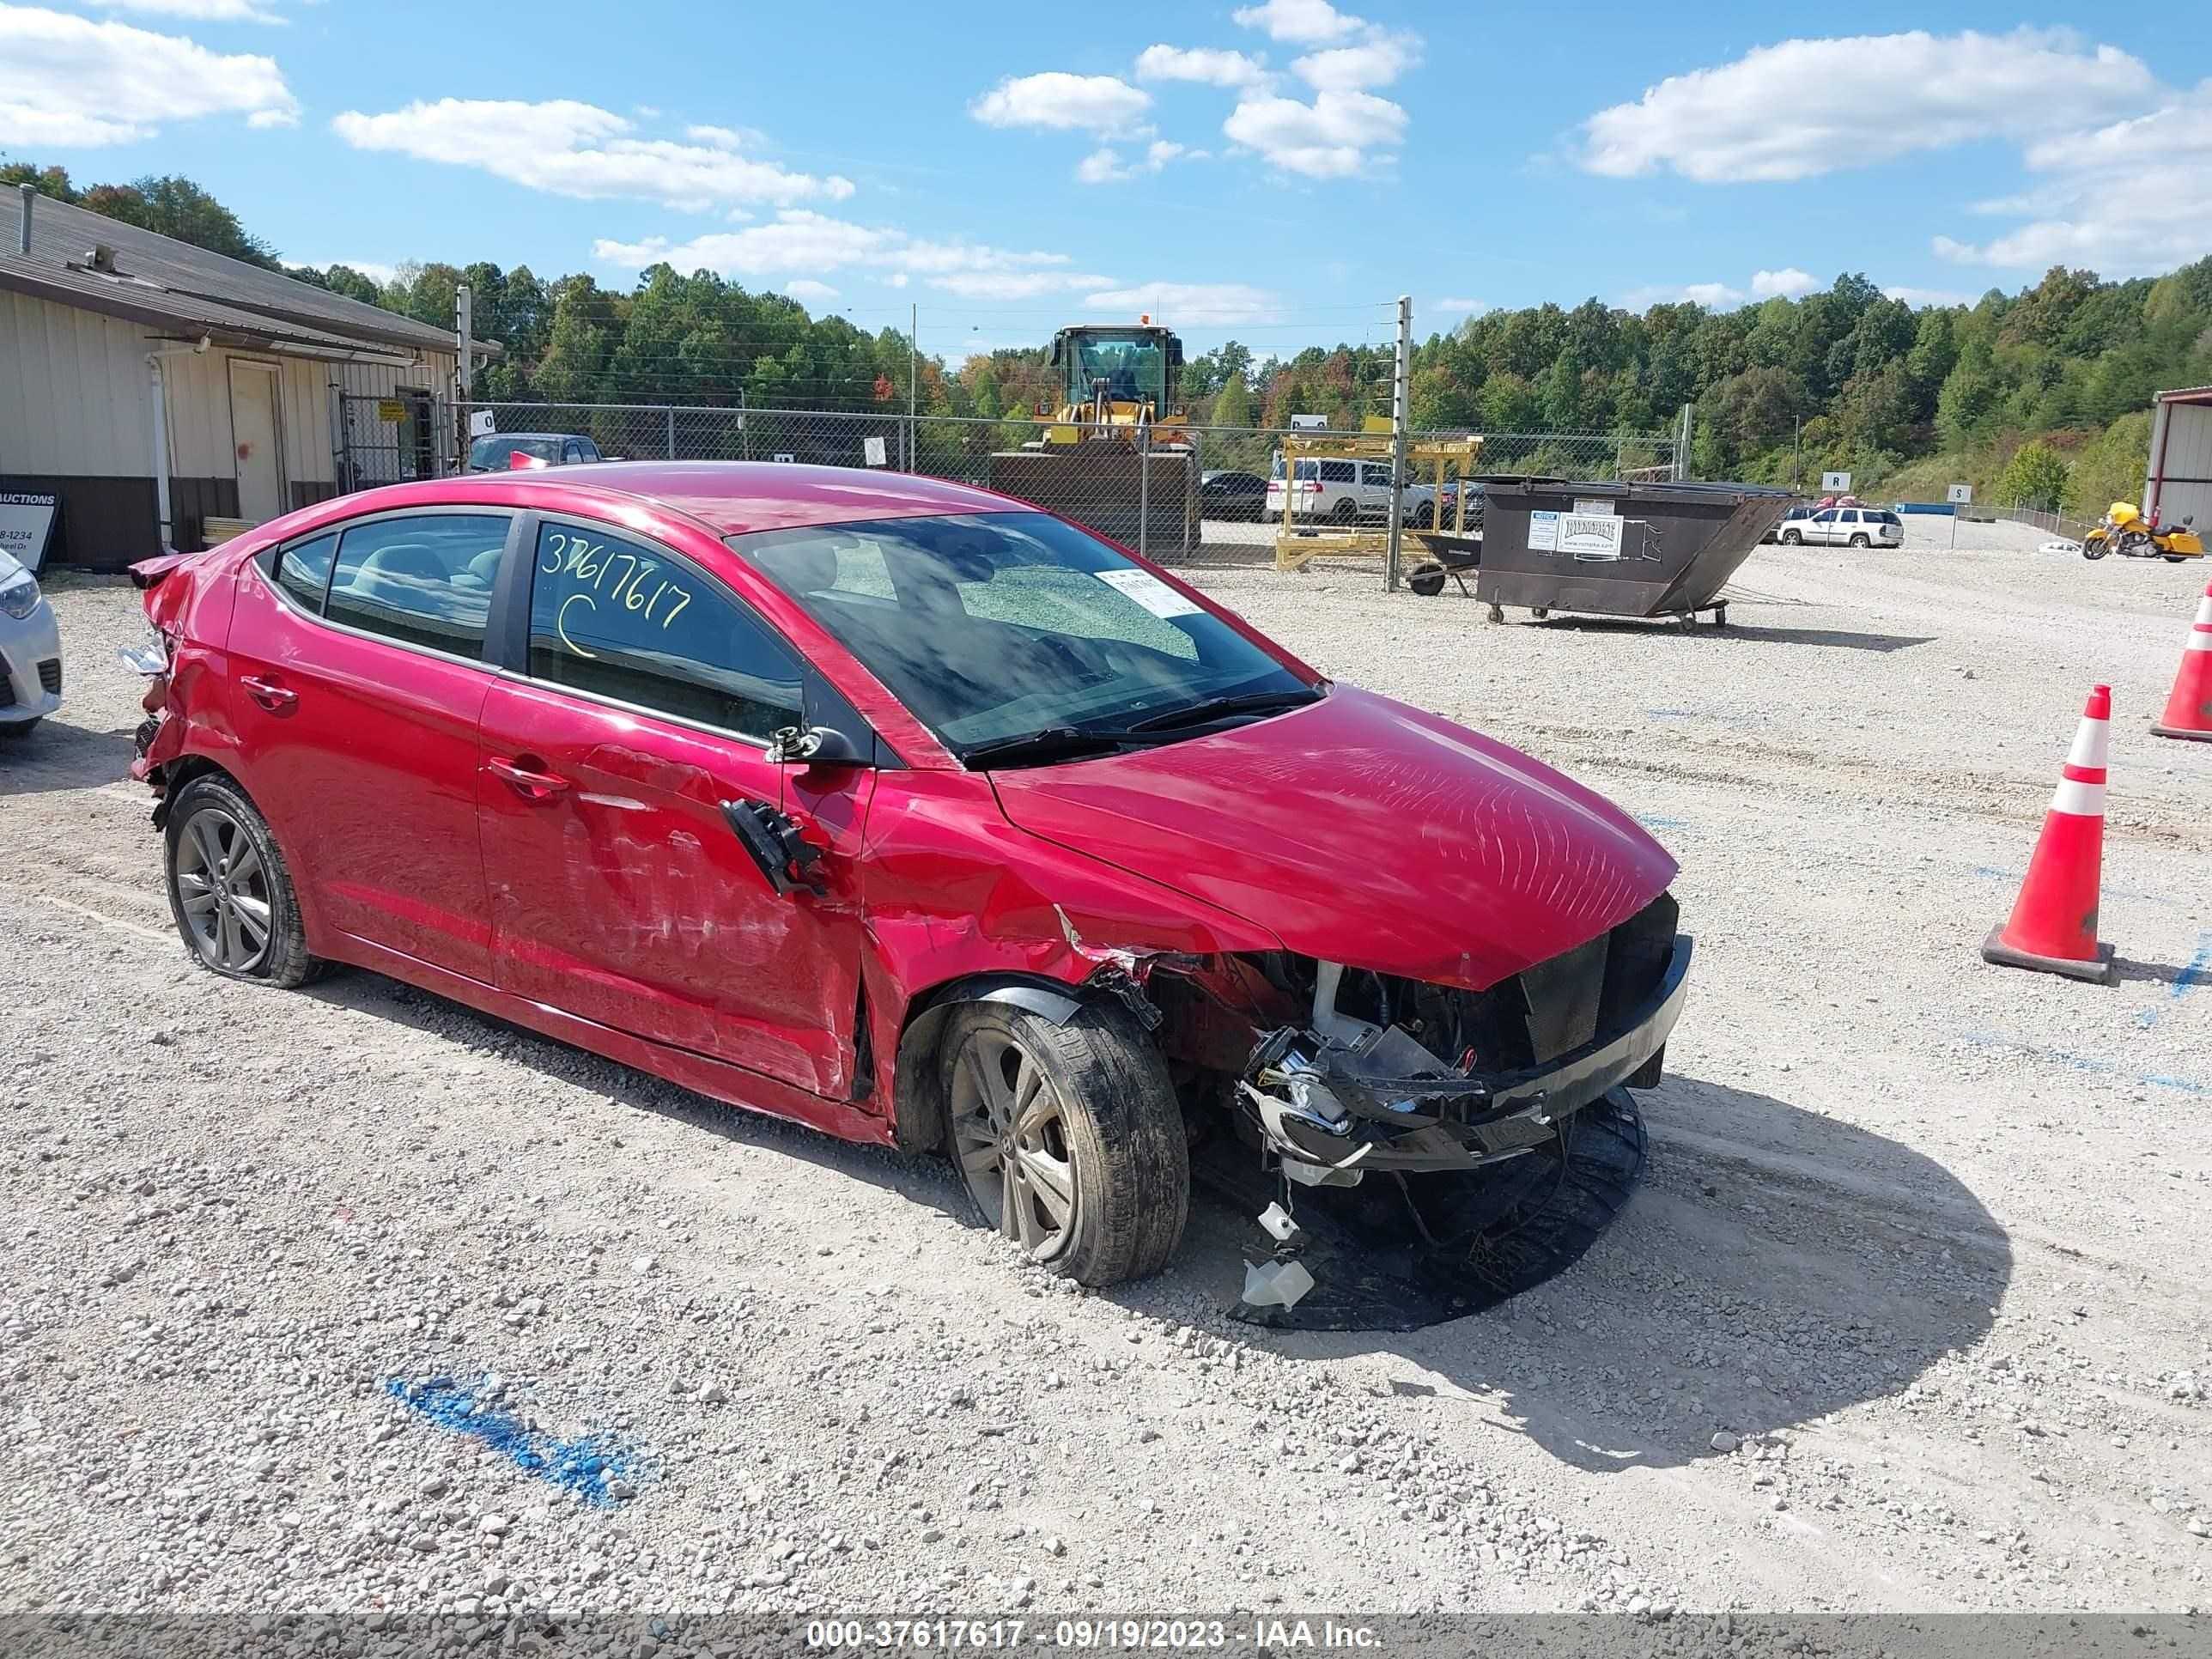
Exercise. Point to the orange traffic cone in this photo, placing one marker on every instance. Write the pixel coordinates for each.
(2189, 710)
(2054, 922)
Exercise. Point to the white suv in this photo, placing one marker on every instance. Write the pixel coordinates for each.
(1342, 492)
(1844, 526)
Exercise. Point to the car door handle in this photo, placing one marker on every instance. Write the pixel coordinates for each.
(532, 781)
(272, 695)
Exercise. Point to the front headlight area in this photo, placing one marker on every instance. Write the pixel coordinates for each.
(19, 595)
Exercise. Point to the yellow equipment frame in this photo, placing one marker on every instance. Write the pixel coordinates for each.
(1297, 546)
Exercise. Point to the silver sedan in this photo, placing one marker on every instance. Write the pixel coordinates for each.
(30, 652)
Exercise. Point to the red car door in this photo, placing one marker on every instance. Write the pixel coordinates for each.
(620, 891)
(357, 678)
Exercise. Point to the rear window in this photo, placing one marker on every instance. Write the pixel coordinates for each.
(496, 452)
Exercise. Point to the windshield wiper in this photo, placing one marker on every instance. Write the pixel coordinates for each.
(1218, 708)
(1054, 742)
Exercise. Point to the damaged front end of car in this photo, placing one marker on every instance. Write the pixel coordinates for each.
(1471, 1111)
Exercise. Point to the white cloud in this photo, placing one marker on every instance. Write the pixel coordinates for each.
(1192, 305)
(1927, 296)
(805, 287)
(1714, 296)
(1214, 66)
(73, 81)
(1329, 138)
(1104, 166)
(1015, 285)
(1455, 307)
(1088, 103)
(1301, 22)
(200, 11)
(1375, 62)
(2130, 198)
(1768, 115)
(1790, 282)
(800, 240)
(569, 148)
(721, 138)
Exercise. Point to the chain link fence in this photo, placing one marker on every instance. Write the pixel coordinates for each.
(1182, 494)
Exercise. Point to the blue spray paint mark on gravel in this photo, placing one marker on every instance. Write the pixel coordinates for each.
(2090, 1063)
(1653, 821)
(587, 1466)
(2198, 971)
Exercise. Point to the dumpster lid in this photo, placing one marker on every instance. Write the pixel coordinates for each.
(1686, 492)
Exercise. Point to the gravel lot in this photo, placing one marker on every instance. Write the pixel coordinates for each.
(1910, 1312)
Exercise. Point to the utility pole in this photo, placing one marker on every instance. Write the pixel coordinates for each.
(1402, 391)
(912, 374)
(464, 370)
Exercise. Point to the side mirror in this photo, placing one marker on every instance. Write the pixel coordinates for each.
(812, 745)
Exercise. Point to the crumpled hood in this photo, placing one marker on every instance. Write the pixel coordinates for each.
(1362, 831)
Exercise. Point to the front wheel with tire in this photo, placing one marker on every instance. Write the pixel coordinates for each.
(16, 731)
(2095, 547)
(230, 891)
(1069, 1138)
(1791, 539)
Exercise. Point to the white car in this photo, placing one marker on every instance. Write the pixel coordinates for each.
(1342, 492)
(1842, 526)
(30, 652)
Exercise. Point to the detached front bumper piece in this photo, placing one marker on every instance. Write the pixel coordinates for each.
(1332, 1113)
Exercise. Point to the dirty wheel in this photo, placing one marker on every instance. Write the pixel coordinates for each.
(1069, 1138)
(1347, 511)
(229, 890)
(1427, 581)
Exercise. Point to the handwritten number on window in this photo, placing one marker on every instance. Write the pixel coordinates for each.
(640, 588)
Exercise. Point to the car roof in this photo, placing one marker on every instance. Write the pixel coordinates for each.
(732, 497)
(493, 437)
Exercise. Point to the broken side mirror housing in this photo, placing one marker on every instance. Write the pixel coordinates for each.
(813, 746)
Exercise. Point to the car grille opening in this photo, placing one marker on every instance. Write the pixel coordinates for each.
(50, 675)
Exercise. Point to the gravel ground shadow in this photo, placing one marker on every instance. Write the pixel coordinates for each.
(1775, 1265)
(59, 757)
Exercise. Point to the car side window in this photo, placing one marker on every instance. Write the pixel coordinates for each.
(1336, 471)
(590, 450)
(630, 621)
(425, 578)
(303, 569)
(571, 452)
(1828, 517)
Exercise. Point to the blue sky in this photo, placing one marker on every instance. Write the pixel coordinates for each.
(1276, 171)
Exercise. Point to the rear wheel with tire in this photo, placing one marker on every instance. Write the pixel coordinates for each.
(2177, 558)
(16, 731)
(1859, 540)
(1347, 511)
(1069, 1138)
(230, 891)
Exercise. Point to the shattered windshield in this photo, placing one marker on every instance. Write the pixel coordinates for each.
(996, 625)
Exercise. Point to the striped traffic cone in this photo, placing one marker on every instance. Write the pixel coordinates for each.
(2054, 922)
(2189, 710)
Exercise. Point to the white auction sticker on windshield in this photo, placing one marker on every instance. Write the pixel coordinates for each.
(1149, 591)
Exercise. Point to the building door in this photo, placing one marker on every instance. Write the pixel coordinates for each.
(253, 430)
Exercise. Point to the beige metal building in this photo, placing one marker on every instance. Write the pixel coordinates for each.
(2178, 477)
(151, 385)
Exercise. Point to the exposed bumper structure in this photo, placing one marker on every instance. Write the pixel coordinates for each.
(1332, 1110)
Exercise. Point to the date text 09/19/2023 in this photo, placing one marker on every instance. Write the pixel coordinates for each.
(1255, 1634)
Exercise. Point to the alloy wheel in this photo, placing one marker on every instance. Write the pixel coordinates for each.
(222, 891)
(1010, 1135)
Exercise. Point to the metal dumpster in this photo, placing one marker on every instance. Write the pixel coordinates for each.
(1618, 549)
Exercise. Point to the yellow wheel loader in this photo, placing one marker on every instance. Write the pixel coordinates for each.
(1115, 453)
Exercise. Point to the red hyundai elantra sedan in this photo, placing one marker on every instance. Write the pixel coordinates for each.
(903, 810)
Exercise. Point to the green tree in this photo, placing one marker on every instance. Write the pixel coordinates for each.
(2035, 476)
(1232, 404)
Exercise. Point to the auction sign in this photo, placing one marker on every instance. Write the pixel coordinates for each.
(27, 524)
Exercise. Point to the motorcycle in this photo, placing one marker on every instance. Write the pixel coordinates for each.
(2127, 532)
